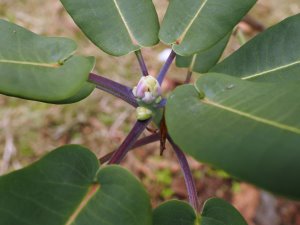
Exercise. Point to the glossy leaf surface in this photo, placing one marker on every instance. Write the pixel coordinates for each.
(66, 187)
(204, 61)
(118, 27)
(249, 129)
(193, 26)
(40, 68)
(274, 55)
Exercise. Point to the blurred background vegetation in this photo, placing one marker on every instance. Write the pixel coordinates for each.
(30, 129)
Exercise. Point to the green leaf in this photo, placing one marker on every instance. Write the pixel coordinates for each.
(273, 55)
(217, 211)
(84, 92)
(174, 212)
(66, 187)
(251, 130)
(40, 68)
(118, 27)
(193, 26)
(202, 62)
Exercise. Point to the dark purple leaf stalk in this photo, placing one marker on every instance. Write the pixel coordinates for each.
(147, 93)
(142, 63)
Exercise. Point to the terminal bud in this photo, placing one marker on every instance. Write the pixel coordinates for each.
(147, 90)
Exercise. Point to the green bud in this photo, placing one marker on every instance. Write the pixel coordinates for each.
(142, 113)
(158, 100)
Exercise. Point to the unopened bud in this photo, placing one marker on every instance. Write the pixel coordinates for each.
(143, 113)
(147, 90)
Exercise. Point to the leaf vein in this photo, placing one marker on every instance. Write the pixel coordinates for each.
(253, 117)
(50, 65)
(182, 36)
(270, 71)
(90, 194)
(133, 39)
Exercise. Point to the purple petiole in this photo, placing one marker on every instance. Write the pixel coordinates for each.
(165, 68)
(129, 141)
(119, 90)
(188, 177)
(141, 142)
(142, 63)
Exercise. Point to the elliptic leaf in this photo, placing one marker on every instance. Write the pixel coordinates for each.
(66, 188)
(40, 68)
(251, 130)
(193, 26)
(273, 55)
(202, 62)
(118, 27)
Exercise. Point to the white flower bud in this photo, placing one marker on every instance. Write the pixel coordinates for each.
(147, 90)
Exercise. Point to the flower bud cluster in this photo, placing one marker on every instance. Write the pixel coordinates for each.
(148, 90)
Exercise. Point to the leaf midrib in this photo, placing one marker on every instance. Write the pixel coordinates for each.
(270, 71)
(252, 117)
(132, 38)
(89, 195)
(182, 36)
(49, 65)
(193, 62)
